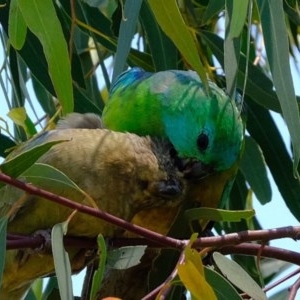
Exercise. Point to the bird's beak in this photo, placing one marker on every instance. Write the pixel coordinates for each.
(194, 169)
(169, 188)
(191, 169)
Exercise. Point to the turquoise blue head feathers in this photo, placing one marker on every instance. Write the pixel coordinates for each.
(174, 104)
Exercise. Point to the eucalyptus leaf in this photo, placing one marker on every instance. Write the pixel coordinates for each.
(41, 19)
(253, 167)
(37, 288)
(170, 20)
(238, 276)
(163, 50)
(213, 8)
(222, 287)
(31, 296)
(6, 144)
(194, 282)
(99, 273)
(127, 28)
(238, 14)
(22, 158)
(276, 43)
(125, 257)
(263, 129)
(233, 20)
(19, 116)
(61, 261)
(49, 178)
(17, 27)
(259, 86)
(51, 285)
(218, 215)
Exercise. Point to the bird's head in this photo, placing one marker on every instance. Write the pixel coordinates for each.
(205, 129)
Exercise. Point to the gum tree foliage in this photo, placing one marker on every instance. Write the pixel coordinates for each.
(64, 49)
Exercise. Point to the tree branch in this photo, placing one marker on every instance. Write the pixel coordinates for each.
(148, 234)
(157, 240)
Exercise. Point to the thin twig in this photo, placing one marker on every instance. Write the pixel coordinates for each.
(281, 280)
(267, 251)
(294, 289)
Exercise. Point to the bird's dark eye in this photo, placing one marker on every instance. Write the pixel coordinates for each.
(202, 141)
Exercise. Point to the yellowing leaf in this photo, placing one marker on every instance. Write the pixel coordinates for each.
(171, 22)
(194, 257)
(195, 282)
(19, 116)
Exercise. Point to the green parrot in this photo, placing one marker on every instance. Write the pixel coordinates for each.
(122, 172)
(207, 134)
(173, 104)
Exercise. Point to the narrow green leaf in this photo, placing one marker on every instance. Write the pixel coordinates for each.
(100, 26)
(37, 288)
(17, 28)
(41, 19)
(170, 20)
(218, 215)
(259, 86)
(33, 55)
(52, 284)
(222, 288)
(83, 103)
(277, 48)
(212, 9)
(292, 10)
(99, 273)
(30, 295)
(141, 59)
(24, 157)
(238, 14)
(163, 50)
(262, 128)
(238, 276)
(49, 178)
(3, 230)
(18, 77)
(231, 46)
(61, 261)
(127, 28)
(5, 145)
(125, 257)
(44, 98)
(254, 169)
(19, 116)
